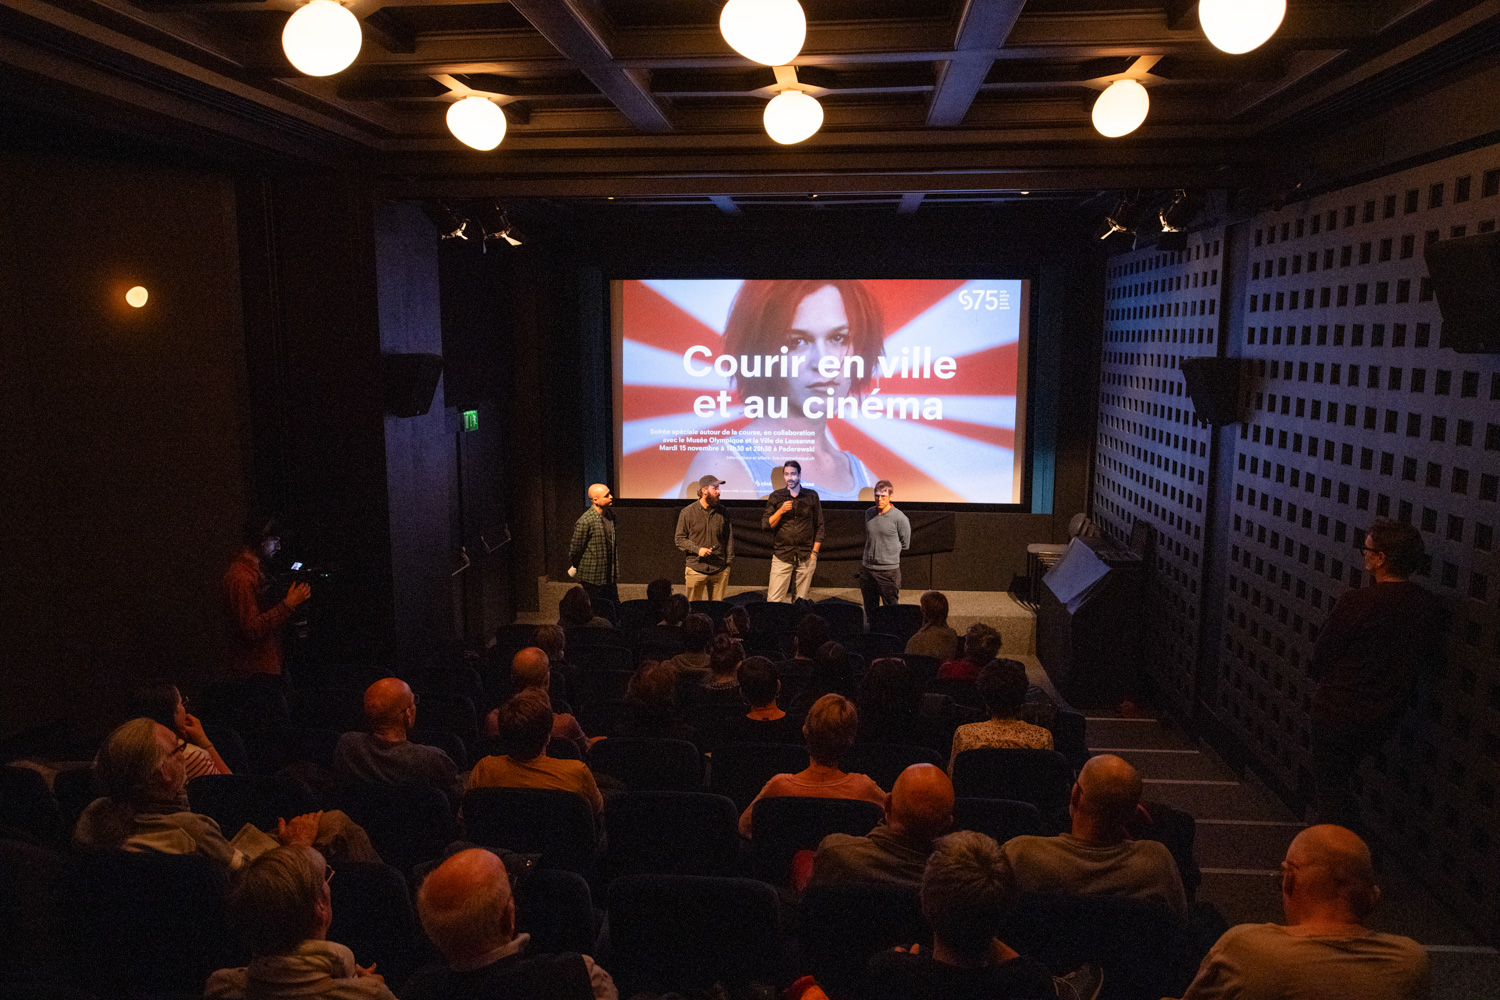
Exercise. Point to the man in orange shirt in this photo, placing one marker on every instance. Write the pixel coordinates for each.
(257, 623)
(525, 723)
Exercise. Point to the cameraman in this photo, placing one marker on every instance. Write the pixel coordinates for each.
(257, 618)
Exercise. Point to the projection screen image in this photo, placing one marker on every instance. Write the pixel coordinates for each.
(919, 381)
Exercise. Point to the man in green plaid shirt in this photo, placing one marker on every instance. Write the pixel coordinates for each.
(591, 556)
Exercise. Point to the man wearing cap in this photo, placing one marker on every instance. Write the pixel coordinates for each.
(591, 554)
(706, 538)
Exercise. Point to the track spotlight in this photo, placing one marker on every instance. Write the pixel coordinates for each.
(767, 31)
(450, 225)
(321, 38)
(494, 224)
(477, 122)
(1237, 26)
(1121, 108)
(1122, 219)
(1109, 227)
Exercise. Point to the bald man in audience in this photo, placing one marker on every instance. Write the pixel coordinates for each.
(466, 908)
(531, 669)
(918, 810)
(384, 756)
(1097, 858)
(1324, 951)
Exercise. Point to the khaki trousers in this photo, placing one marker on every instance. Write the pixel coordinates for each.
(703, 587)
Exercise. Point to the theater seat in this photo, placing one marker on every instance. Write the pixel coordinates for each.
(373, 917)
(741, 770)
(782, 826)
(556, 908)
(557, 825)
(844, 925)
(233, 800)
(649, 764)
(670, 833)
(1042, 777)
(407, 824)
(884, 762)
(1000, 819)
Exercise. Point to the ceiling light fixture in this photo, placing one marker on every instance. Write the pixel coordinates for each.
(1121, 108)
(767, 31)
(495, 224)
(321, 38)
(1237, 26)
(793, 116)
(137, 296)
(477, 122)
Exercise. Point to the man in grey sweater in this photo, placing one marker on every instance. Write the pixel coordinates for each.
(887, 535)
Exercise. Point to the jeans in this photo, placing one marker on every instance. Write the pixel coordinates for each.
(879, 586)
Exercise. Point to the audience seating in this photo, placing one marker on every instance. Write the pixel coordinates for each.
(450, 743)
(686, 932)
(555, 824)
(636, 615)
(560, 749)
(451, 713)
(583, 638)
(603, 684)
(884, 762)
(74, 789)
(599, 716)
(606, 609)
(1041, 777)
(899, 620)
(243, 704)
(670, 833)
(233, 800)
(773, 618)
(28, 806)
(1068, 739)
(844, 618)
(556, 908)
(594, 660)
(649, 765)
(962, 692)
(407, 824)
(510, 638)
(925, 667)
(374, 918)
(1000, 819)
(872, 645)
(339, 708)
(449, 680)
(741, 770)
(1177, 830)
(33, 936)
(270, 750)
(844, 925)
(784, 825)
(716, 610)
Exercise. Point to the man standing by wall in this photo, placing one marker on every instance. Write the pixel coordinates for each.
(887, 535)
(257, 617)
(796, 517)
(706, 537)
(591, 556)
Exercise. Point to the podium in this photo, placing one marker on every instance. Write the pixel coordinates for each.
(1093, 654)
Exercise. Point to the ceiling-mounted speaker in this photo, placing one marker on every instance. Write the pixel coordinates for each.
(1466, 282)
(1214, 386)
(408, 382)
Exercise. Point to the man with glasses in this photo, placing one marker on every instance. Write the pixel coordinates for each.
(384, 756)
(887, 535)
(1375, 644)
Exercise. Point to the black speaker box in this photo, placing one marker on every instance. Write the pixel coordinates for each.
(1214, 385)
(1466, 281)
(409, 381)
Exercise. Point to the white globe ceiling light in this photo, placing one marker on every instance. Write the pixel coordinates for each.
(1237, 26)
(793, 116)
(767, 31)
(1121, 109)
(321, 38)
(477, 122)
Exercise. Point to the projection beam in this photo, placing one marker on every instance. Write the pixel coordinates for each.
(983, 27)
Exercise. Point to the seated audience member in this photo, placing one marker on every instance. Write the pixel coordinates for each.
(831, 673)
(1002, 685)
(697, 630)
(674, 610)
(890, 705)
(981, 645)
(666, 633)
(575, 610)
(525, 728)
(934, 638)
(965, 893)
(829, 731)
(281, 906)
(384, 756)
(736, 623)
(651, 705)
(657, 592)
(1324, 951)
(141, 770)
(531, 670)
(553, 640)
(765, 722)
(466, 908)
(917, 812)
(1096, 858)
(812, 632)
(161, 702)
(725, 654)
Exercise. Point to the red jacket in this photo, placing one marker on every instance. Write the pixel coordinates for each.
(256, 633)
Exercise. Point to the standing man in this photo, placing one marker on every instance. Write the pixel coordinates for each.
(706, 537)
(591, 556)
(1375, 644)
(796, 517)
(887, 535)
(255, 614)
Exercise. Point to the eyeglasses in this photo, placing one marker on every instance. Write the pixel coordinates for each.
(328, 875)
(181, 746)
(1366, 548)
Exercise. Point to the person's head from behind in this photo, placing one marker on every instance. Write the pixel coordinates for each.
(1328, 877)
(981, 644)
(920, 803)
(675, 609)
(466, 907)
(1104, 799)
(575, 608)
(1394, 549)
(697, 630)
(934, 604)
(965, 892)
(160, 701)
(390, 707)
(831, 669)
(1002, 685)
(657, 592)
(281, 899)
(759, 684)
(830, 730)
(650, 694)
(530, 668)
(725, 654)
(552, 640)
(812, 632)
(141, 762)
(525, 725)
(890, 691)
(737, 623)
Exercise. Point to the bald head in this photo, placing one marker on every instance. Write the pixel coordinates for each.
(1105, 797)
(1328, 870)
(386, 702)
(921, 802)
(465, 905)
(530, 668)
(599, 495)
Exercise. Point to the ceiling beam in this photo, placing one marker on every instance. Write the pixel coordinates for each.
(983, 26)
(575, 32)
(390, 32)
(1182, 15)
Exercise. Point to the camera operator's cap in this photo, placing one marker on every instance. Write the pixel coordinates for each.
(708, 481)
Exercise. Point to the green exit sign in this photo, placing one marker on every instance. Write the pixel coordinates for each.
(471, 420)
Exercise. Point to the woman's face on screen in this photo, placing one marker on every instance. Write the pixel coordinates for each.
(819, 329)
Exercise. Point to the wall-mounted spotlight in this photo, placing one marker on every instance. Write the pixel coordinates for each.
(450, 224)
(767, 31)
(137, 296)
(495, 224)
(1237, 26)
(477, 121)
(321, 38)
(1121, 109)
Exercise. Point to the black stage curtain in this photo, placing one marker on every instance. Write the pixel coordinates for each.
(844, 533)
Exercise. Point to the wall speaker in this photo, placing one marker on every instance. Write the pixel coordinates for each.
(409, 381)
(1214, 385)
(1466, 281)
